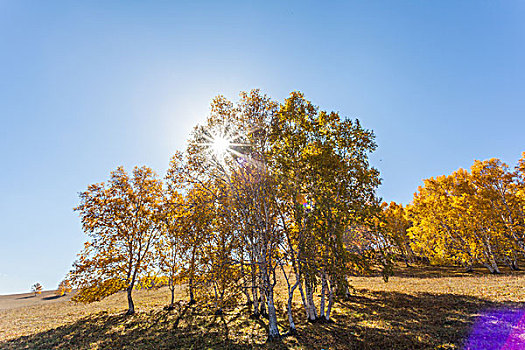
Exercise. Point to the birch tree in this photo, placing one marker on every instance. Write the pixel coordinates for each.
(321, 161)
(231, 147)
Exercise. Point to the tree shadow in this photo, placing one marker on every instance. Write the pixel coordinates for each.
(149, 330)
(366, 320)
(393, 320)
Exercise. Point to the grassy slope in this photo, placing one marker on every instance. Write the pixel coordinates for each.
(29, 299)
(418, 308)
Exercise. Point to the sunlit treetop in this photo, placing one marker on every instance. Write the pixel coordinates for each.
(222, 144)
(233, 135)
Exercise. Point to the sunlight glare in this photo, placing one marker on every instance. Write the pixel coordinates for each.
(220, 146)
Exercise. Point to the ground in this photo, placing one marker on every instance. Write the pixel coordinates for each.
(419, 308)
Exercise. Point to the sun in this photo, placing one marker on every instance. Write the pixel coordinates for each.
(220, 146)
(223, 143)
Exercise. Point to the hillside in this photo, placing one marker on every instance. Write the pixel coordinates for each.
(419, 308)
(15, 301)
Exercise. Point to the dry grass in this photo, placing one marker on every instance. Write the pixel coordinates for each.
(419, 308)
(14, 301)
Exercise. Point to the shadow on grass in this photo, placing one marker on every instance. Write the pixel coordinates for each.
(392, 320)
(367, 320)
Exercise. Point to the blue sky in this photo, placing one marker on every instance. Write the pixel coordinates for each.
(87, 87)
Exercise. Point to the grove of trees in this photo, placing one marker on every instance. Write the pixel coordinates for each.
(264, 191)
(471, 217)
(269, 192)
(467, 218)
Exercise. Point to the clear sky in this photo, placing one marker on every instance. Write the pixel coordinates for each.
(87, 87)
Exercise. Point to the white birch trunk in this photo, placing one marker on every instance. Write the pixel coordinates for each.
(490, 256)
(263, 303)
(255, 296)
(312, 312)
(291, 323)
(489, 267)
(303, 298)
(273, 330)
(323, 293)
(330, 301)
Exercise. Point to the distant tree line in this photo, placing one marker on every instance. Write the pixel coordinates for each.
(264, 191)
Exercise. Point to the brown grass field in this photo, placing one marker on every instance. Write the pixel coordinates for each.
(419, 308)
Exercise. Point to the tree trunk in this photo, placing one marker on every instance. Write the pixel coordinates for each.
(347, 291)
(491, 270)
(303, 298)
(323, 293)
(330, 301)
(131, 306)
(192, 275)
(406, 260)
(291, 290)
(171, 286)
(262, 292)
(245, 285)
(192, 296)
(255, 294)
(255, 301)
(247, 294)
(490, 256)
(263, 305)
(291, 323)
(511, 263)
(494, 266)
(514, 262)
(299, 282)
(218, 310)
(410, 253)
(312, 312)
(273, 330)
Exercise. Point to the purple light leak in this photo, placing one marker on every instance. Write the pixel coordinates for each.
(500, 329)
